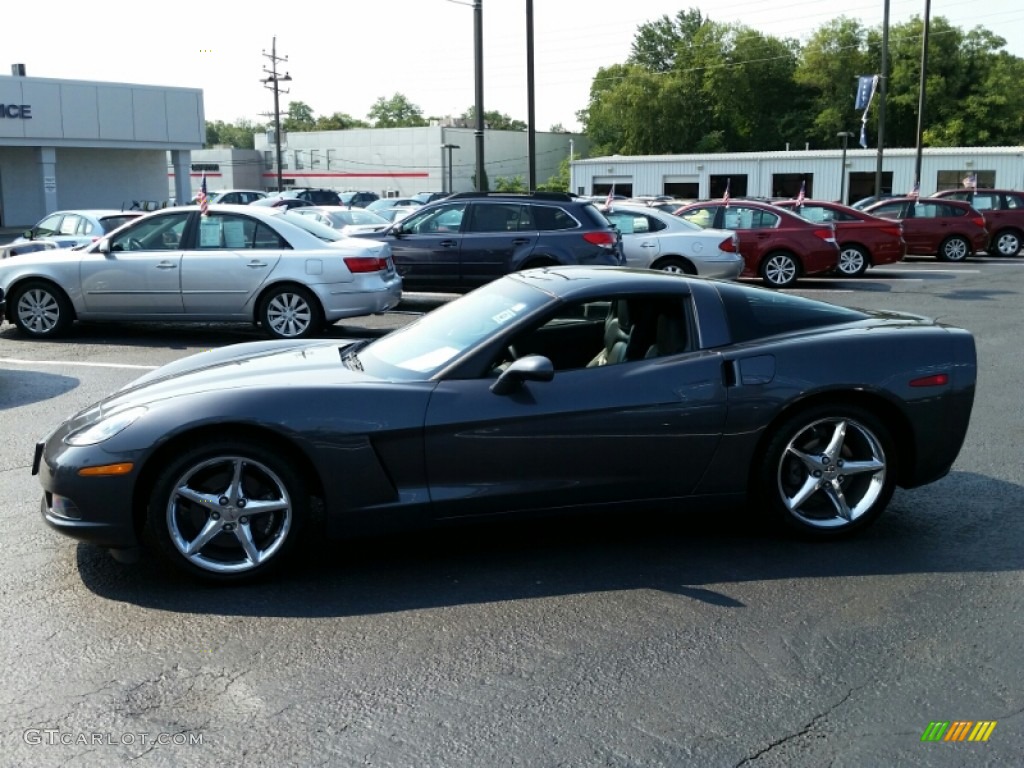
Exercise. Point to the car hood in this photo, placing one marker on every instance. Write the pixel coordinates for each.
(263, 364)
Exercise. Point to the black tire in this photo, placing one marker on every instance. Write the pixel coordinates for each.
(41, 310)
(780, 269)
(803, 481)
(853, 261)
(290, 312)
(673, 265)
(1006, 242)
(954, 248)
(243, 498)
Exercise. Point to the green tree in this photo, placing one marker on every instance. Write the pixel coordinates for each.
(298, 118)
(559, 182)
(511, 184)
(339, 121)
(495, 121)
(396, 112)
(238, 135)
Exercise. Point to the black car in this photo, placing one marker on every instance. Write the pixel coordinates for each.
(549, 390)
(307, 196)
(471, 238)
(356, 199)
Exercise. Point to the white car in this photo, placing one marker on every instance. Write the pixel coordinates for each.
(654, 239)
(236, 264)
(348, 221)
(69, 229)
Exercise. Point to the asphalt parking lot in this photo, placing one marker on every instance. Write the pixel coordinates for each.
(700, 641)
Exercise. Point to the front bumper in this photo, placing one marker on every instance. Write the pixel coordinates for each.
(93, 509)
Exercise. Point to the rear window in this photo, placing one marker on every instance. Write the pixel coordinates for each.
(757, 314)
(598, 219)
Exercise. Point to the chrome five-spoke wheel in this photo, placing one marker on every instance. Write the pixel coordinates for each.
(226, 513)
(830, 470)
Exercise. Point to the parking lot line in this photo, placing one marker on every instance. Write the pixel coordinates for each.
(127, 366)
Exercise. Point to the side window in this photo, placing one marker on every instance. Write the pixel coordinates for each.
(548, 218)
(1014, 202)
(624, 222)
(813, 213)
(69, 225)
(443, 219)
(985, 202)
(889, 211)
(230, 232)
(494, 217)
(152, 233)
(702, 217)
(965, 196)
(85, 227)
(50, 225)
(606, 331)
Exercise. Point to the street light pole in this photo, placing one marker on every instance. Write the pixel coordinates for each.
(272, 81)
(450, 147)
(478, 57)
(845, 136)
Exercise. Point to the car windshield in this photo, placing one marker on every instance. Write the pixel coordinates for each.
(110, 223)
(314, 228)
(420, 350)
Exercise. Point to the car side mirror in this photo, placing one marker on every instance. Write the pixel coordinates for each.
(29, 234)
(529, 368)
(104, 245)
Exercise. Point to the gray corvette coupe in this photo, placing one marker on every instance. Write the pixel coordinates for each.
(546, 390)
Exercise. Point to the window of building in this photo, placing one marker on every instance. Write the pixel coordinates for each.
(682, 190)
(736, 183)
(300, 162)
(963, 178)
(787, 185)
(862, 184)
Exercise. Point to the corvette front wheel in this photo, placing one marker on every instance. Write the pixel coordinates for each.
(828, 470)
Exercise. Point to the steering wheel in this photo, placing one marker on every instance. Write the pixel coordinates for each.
(134, 244)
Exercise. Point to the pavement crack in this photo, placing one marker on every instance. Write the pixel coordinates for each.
(796, 735)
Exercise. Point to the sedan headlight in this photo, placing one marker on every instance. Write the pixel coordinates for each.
(105, 428)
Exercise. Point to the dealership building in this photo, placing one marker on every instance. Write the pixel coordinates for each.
(81, 144)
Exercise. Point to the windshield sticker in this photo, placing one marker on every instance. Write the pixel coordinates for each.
(509, 314)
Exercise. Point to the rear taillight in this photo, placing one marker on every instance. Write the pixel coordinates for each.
(601, 237)
(358, 264)
(728, 245)
(935, 380)
(828, 235)
(896, 231)
(978, 220)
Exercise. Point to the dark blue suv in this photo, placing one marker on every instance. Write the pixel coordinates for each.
(471, 238)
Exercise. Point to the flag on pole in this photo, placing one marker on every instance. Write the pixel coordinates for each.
(725, 197)
(610, 198)
(204, 201)
(867, 85)
(971, 181)
(802, 194)
(916, 190)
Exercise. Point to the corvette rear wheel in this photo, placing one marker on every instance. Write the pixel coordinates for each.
(779, 269)
(227, 511)
(829, 470)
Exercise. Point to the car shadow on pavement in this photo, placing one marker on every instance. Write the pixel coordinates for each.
(966, 523)
(21, 387)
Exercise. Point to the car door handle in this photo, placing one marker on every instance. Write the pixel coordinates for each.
(448, 243)
(166, 265)
(256, 264)
(521, 241)
(648, 245)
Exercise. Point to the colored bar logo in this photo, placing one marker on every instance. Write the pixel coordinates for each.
(958, 730)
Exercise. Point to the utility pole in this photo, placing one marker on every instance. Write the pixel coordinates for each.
(531, 114)
(478, 62)
(272, 81)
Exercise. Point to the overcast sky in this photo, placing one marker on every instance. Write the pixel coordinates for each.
(345, 54)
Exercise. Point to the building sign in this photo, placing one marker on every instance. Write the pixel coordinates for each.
(16, 111)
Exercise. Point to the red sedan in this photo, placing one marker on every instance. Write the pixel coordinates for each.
(864, 240)
(949, 229)
(777, 245)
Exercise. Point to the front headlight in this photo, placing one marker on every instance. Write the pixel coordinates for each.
(105, 428)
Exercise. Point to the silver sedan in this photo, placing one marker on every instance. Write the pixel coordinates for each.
(233, 264)
(653, 239)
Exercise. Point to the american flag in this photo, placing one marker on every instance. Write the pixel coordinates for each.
(802, 194)
(725, 197)
(610, 198)
(204, 201)
(971, 181)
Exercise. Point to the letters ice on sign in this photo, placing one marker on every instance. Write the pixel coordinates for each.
(16, 111)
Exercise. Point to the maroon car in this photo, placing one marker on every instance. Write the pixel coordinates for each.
(1003, 211)
(949, 229)
(864, 240)
(777, 245)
